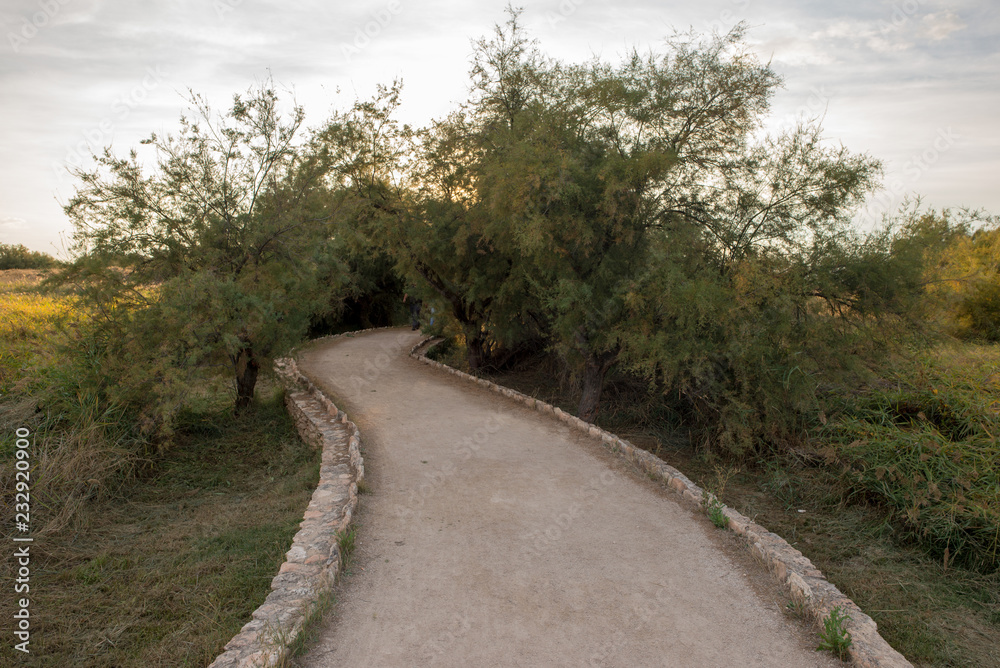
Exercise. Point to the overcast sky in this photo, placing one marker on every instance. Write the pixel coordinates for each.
(915, 83)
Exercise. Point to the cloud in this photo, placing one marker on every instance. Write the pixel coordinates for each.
(939, 26)
(12, 223)
(841, 39)
(906, 30)
(881, 72)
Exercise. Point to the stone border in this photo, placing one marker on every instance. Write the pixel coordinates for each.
(314, 561)
(803, 581)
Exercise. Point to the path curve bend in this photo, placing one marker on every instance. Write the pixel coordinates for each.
(498, 536)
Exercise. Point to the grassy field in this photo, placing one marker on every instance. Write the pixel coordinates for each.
(164, 567)
(29, 316)
(890, 542)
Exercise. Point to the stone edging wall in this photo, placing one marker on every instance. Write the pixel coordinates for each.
(804, 582)
(314, 561)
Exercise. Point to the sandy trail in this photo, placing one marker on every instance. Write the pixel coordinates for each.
(496, 536)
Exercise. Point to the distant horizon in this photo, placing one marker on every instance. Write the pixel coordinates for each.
(914, 83)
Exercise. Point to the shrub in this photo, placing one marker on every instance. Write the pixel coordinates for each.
(927, 451)
(980, 311)
(20, 257)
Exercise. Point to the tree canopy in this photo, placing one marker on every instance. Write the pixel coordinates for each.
(632, 216)
(216, 252)
(557, 191)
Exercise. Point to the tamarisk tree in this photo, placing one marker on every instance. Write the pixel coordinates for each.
(218, 247)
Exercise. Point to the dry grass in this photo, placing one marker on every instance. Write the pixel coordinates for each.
(22, 277)
(28, 321)
(141, 560)
(922, 442)
(168, 569)
(24, 316)
(70, 464)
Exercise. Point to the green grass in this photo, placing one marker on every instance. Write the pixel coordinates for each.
(29, 315)
(345, 542)
(834, 637)
(924, 445)
(169, 569)
(715, 512)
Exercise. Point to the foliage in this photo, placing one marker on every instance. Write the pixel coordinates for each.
(374, 297)
(979, 311)
(346, 543)
(410, 195)
(29, 318)
(613, 185)
(214, 257)
(835, 637)
(167, 568)
(84, 449)
(562, 203)
(20, 257)
(960, 279)
(741, 352)
(715, 513)
(712, 503)
(925, 446)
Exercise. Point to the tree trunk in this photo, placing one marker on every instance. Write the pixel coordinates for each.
(594, 371)
(470, 316)
(246, 367)
(477, 351)
(593, 383)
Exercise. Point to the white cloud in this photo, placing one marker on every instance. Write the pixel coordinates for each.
(881, 72)
(901, 31)
(881, 44)
(939, 26)
(12, 223)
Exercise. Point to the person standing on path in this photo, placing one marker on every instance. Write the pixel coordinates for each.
(415, 304)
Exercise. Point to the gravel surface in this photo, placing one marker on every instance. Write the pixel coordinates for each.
(497, 536)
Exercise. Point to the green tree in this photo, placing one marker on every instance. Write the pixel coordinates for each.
(20, 257)
(592, 166)
(216, 252)
(454, 243)
(978, 309)
(619, 184)
(411, 194)
(949, 258)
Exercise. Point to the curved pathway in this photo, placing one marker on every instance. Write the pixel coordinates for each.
(496, 536)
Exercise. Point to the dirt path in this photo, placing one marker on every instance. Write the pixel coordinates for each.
(496, 536)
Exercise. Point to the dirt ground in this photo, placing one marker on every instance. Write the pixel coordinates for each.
(496, 536)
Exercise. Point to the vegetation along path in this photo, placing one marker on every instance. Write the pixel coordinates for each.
(496, 536)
